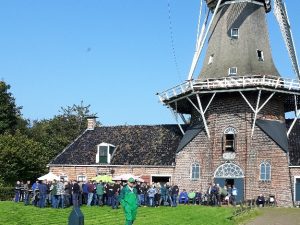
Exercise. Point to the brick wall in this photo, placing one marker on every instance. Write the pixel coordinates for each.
(231, 110)
(295, 173)
(91, 171)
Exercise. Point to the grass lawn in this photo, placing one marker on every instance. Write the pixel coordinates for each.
(17, 214)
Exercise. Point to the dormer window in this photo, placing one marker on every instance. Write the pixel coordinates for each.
(232, 71)
(104, 153)
(235, 33)
(260, 55)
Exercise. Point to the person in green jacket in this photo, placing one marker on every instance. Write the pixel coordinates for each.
(100, 193)
(129, 201)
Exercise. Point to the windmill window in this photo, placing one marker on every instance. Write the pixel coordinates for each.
(260, 55)
(229, 143)
(265, 171)
(195, 171)
(229, 140)
(104, 153)
(232, 71)
(235, 33)
(211, 59)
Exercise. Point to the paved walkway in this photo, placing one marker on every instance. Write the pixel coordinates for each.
(277, 216)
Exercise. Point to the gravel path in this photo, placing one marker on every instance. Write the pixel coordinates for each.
(277, 216)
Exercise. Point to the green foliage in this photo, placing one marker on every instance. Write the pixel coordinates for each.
(55, 134)
(26, 150)
(9, 112)
(13, 213)
(6, 193)
(21, 157)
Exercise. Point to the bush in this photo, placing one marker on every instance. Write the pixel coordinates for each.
(6, 193)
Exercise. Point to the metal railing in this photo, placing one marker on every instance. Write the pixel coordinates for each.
(231, 83)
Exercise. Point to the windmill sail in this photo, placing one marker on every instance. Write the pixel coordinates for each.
(283, 21)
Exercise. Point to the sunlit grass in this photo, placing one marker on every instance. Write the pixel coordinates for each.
(17, 214)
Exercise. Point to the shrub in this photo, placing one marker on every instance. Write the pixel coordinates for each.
(6, 193)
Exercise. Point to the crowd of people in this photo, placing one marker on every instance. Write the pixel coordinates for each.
(61, 194)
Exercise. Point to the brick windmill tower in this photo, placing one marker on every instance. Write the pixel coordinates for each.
(237, 132)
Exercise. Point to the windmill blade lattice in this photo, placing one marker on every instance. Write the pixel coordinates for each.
(283, 21)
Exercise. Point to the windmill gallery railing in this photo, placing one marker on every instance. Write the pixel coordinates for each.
(251, 81)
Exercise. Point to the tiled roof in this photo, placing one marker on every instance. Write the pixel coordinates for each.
(136, 145)
(294, 142)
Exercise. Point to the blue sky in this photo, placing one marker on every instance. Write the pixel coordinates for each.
(112, 54)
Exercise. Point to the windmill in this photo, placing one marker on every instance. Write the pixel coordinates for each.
(203, 32)
(280, 13)
(238, 102)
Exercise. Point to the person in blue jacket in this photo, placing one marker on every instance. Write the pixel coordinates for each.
(35, 190)
(183, 197)
(43, 188)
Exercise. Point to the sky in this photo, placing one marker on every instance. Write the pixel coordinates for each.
(114, 55)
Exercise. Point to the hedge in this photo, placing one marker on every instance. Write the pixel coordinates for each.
(6, 193)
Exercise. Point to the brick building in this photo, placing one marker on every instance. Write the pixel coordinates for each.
(237, 132)
(147, 151)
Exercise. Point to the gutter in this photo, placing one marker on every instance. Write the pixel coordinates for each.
(108, 165)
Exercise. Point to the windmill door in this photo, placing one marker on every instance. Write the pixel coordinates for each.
(237, 182)
(297, 189)
(231, 174)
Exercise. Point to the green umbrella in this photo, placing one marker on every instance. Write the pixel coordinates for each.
(103, 178)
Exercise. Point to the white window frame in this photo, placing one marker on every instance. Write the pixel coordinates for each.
(211, 59)
(109, 156)
(66, 178)
(229, 170)
(265, 163)
(262, 58)
(235, 33)
(83, 180)
(199, 170)
(232, 73)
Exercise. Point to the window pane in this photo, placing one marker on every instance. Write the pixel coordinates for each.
(260, 55)
(103, 151)
(262, 171)
(268, 171)
(195, 171)
(234, 32)
(111, 150)
(103, 159)
(229, 142)
(81, 178)
(268, 176)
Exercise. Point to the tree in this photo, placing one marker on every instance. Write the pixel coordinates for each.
(55, 134)
(9, 112)
(78, 114)
(21, 158)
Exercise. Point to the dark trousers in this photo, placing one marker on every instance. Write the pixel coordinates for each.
(75, 199)
(26, 199)
(85, 198)
(17, 196)
(114, 202)
(100, 200)
(42, 200)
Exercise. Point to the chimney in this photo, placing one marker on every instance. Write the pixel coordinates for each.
(91, 122)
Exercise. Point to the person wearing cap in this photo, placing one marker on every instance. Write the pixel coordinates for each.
(129, 201)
